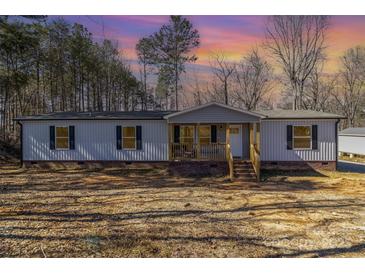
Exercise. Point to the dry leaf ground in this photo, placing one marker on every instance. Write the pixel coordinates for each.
(148, 213)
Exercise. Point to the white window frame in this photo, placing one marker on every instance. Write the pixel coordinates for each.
(135, 138)
(68, 138)
(303, 137)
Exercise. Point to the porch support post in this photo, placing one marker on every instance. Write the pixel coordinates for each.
(255, 158)
(254, 133)
(250, 127)
(258, 136)
(228, 139)
(169, 140)
(198, 152)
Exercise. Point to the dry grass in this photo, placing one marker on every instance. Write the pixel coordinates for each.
(146, 213)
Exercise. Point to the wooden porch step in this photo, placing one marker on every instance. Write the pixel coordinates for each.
(243, 166)
(238, 167)
(242, 161)
(243, 174)
(243, 171)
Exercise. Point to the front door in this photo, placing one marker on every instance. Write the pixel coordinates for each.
(235, 132)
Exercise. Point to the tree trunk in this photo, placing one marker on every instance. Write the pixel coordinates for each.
(226, 92)
(176, 88)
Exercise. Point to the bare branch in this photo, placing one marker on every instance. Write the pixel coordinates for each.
(253, 77)
(223, 70)
(297, 43)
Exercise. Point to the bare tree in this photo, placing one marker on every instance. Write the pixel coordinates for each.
(318, 91)
(223, 71)
(254, 77)
(215, 92)
(297, 43)
(350, 91)
(198, 87)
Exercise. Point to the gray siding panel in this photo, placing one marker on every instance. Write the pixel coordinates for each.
(351, 144)
(273, 141)
(213, 114)
(95, 141)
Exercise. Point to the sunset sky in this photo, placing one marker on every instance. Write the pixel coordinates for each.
(233, 35)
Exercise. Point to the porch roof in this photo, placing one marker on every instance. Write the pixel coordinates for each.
(214, 113)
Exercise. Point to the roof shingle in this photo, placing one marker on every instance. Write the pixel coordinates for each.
(298, 114)
(105, 115)
(159, 115)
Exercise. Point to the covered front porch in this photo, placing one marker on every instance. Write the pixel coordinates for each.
(213, 142)
(215, 132)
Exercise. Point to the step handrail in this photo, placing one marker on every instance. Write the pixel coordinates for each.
(229, 158)
(255, 159)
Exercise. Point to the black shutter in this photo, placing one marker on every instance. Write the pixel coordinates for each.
(119, 137)
(314, 137)
(51, 137)
(139, 137)
(289, 137)
(71, 137)
(213, 134)
(176, 134)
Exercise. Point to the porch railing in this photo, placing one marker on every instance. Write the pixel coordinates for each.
(255, 159)
(191, 151)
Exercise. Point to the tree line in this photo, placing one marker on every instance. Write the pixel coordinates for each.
(297, 47)
(56, 66)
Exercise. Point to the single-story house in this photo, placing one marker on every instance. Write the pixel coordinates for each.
(210, 132)
(352, 141)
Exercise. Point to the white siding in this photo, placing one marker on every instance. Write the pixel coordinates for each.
(351, 144)
(273, 141)
(95, 140)
(214, 114)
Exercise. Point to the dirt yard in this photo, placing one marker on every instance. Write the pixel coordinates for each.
(147, 213)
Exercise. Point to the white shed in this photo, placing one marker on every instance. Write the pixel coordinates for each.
(352, 141)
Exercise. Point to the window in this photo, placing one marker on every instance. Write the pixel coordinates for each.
(204, 135)
(62, 141)
(234, 130)
(302, 137)
(129, 138)
(187, 134)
